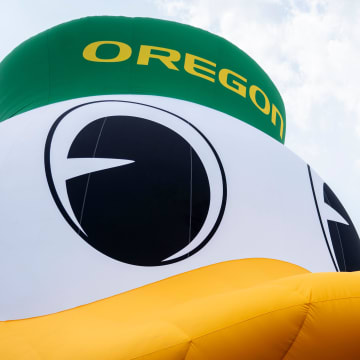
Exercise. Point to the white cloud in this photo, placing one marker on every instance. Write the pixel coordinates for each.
(21, 19)
(303, 45)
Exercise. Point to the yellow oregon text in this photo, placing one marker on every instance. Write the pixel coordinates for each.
(193, 65)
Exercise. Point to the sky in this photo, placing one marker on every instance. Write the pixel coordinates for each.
(309, 48)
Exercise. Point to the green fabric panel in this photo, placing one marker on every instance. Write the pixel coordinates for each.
(50, 67)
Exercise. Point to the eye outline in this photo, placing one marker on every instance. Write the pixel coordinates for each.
(320, 191)
(58, 202)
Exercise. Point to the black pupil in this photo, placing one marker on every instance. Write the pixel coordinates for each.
(144, 212)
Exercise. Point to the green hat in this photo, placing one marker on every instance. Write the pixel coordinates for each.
(117, 55)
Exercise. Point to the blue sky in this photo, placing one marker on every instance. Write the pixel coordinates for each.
(310, 49)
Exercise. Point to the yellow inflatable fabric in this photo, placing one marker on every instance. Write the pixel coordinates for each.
(244, 309)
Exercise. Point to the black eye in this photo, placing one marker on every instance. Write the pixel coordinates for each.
(345, 240)
(153, 204)
(148, 210)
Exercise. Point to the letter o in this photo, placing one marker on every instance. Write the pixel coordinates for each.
(89, 52)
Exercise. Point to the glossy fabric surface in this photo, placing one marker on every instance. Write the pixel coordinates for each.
(245, 309)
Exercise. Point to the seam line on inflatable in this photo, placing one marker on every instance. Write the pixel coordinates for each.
(299, 331)
(307, 304)
(89, 175)
(190, 341)
(319, 216)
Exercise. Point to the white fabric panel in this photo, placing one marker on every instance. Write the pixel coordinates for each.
(45, 266)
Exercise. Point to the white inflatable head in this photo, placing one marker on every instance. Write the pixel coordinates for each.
(124, 163)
